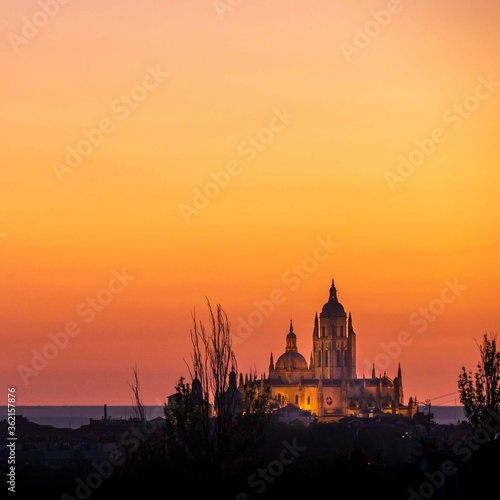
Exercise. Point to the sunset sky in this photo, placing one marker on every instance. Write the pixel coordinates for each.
(156, 153)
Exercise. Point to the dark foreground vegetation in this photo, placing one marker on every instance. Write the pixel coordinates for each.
(219, 442)
(397, 458)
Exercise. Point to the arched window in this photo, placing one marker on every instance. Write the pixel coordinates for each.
(338, 358)
(279, 397)
(326, 358)
(308, 400)
(297, 400)
(319, 358)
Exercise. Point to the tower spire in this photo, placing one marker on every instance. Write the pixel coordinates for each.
(291, 339)
(333, 291)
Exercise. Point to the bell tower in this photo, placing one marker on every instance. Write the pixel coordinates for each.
(334, 341)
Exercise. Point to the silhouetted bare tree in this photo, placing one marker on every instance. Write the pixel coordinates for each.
(212, 360)
(200, 415)
(139, 409)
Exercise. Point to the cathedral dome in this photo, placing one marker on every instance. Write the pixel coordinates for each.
(291, 360)
(333, 307)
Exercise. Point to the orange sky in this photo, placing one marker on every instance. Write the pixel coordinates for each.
(369, 126)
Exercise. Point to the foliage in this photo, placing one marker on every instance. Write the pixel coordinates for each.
(480, 392)
(257, 401)
(187, 430)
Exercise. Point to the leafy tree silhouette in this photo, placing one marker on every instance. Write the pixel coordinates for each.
(480, 392)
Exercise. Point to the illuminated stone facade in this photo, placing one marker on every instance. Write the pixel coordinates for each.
(328, 386)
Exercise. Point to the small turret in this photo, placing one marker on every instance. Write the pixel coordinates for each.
(398, 387)
(316, 327)
(232, 379)
(271, 363)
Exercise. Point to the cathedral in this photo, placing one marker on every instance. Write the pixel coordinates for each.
(328, 386)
